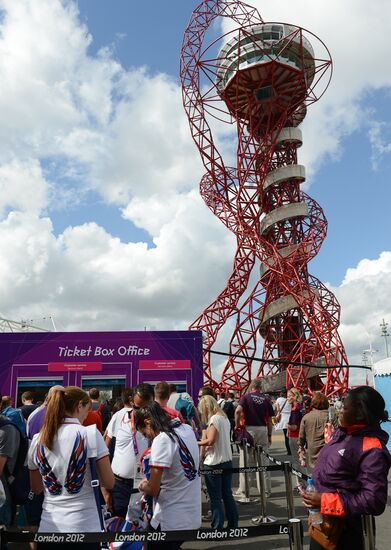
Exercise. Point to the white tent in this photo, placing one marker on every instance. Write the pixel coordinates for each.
(382, 376)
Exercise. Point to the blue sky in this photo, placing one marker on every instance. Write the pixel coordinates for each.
(148, 32)
(101, 222)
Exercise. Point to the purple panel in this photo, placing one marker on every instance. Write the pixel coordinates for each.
(27, 355)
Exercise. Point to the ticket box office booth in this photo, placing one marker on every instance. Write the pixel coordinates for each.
(108, 361)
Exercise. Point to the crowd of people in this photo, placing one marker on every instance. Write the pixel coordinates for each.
(139, 459)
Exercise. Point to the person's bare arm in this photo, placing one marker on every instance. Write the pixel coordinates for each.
(36, 482)
(197, 419)
(107, 498)
(151, 487)
(292, 427)
(3, 462)
(210, 437)
(105, 473)
(238, 416)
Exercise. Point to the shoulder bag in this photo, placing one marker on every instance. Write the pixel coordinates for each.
(327, 533)
(92, 454)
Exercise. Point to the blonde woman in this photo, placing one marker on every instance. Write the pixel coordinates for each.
(297, 412)
(218, 454)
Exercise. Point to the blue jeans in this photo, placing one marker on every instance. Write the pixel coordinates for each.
(220, 491)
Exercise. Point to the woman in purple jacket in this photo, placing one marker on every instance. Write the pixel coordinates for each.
(351, 471)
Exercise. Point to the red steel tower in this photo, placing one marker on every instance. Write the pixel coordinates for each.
(260, 77)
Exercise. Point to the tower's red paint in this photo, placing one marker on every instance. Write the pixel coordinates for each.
(261, 77)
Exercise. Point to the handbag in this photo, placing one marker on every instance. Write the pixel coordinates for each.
(243, 436)
(327, 533)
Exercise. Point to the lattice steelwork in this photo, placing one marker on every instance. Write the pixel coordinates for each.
(261, 77)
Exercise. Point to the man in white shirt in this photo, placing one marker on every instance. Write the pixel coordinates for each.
(117, 419)
(129, 447)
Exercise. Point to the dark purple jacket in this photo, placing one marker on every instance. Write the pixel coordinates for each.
(356, 466)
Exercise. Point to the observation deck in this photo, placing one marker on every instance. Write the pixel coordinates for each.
(272, 63)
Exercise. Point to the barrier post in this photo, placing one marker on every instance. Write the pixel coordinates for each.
(289, 489)
(296, 534)
(261, 478)
(262, 490)
(369, 533)
(245, 463)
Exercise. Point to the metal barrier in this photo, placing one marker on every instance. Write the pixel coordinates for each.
(245, 464)
(296, 540)
(246, 470)
(289, 489)
(292, 530)
(261, 477)
(369, 532)
(262, 485)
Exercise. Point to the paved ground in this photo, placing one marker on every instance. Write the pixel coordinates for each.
(276, 506)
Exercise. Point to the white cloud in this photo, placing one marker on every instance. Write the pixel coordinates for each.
(22, 186)
(365, 300)
(87, 278)
(368, 269)
(39, 50)
(148, 148)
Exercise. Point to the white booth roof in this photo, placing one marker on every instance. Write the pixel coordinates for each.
(383, 367)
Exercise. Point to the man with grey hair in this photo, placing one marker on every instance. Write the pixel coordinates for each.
(255, 412)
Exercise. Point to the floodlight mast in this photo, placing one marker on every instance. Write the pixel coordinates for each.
(262, 80)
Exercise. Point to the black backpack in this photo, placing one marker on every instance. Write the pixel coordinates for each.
(20, 484)
(229, 410)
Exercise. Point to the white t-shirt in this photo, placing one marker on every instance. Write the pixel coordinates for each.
(129, 446)
(178, 505)
(69, 504)
(285, 414)
(221, 449)
(116, 421)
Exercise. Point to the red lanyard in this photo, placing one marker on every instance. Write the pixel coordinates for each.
(134, 433)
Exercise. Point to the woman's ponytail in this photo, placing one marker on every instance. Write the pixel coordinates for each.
(55, 413)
